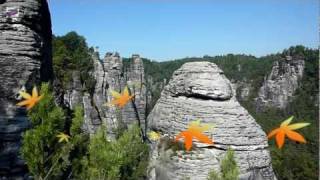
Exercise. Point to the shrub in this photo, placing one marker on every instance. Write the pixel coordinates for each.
(123, 158)
(229, 168)
(45, 157)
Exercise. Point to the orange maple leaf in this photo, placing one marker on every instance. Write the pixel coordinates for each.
(194, 131)
(121, 100)
(287, 130)
(30, 100)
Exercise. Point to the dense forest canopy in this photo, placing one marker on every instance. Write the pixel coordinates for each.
(71, 55)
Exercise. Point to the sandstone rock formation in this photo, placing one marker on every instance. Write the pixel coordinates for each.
(110, 74)
(73, 94)
(279, 87)
(243, 89)
(134, 76)
(25, 60)
(199, 90)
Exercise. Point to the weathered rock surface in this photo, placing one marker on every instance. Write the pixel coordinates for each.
(73, 94)
(134, 76)
(279, 87)
(25, 60)
(199, 90)
(243, 89)
(111, 75)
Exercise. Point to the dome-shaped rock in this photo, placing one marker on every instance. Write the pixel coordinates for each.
(199, 90)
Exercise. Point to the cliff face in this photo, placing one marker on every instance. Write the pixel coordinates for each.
(243, 89)
(279, 86)
(73, 94)
(134, 76)
(199, 90)
(25, 60)
(110, 74)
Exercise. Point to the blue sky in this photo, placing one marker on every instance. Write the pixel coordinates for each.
(171, 29)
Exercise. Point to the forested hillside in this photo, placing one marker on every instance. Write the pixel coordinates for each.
(295, 161)
(72, 54)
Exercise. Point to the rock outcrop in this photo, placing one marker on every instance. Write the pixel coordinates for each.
(199, 90)
(25, 60)
(243, 89)
(73, 94)
(279, 86)
(134, 76)
(110, 74)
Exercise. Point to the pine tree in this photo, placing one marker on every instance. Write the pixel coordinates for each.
(40, 142)
(123, 158)
(45, 157)
(229, 168)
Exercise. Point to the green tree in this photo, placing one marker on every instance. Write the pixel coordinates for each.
(229, 168)
(123, 158)
(71, 53)
(40, 142)
(45, 157)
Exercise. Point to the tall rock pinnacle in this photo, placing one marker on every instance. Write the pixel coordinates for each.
(25, 60)
(110, 74)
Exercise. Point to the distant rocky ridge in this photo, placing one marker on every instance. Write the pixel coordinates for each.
(279, 86)
(199, 90)
(25, 60)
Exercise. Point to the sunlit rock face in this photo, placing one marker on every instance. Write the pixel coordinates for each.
(279, 86)
(25, 60)
(199, 90)
(111, 75)
(135, 80)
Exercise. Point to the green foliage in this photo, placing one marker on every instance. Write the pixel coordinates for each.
(229, 168)
(293, 162)
(213, 175)
(124, 158)
(39, 142)
(77, 121)
(71, 54)
(79, 141)
(80, 158)
(45, 157)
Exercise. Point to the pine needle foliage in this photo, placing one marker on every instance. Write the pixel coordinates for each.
(45, 157)
(229, 168)
(123, 158)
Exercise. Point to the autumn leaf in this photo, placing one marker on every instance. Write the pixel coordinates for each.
(154, 136)
(63, 137)
(287, 130)
(30, 100)
(120, 100)
(194, 130)
(201, 127)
